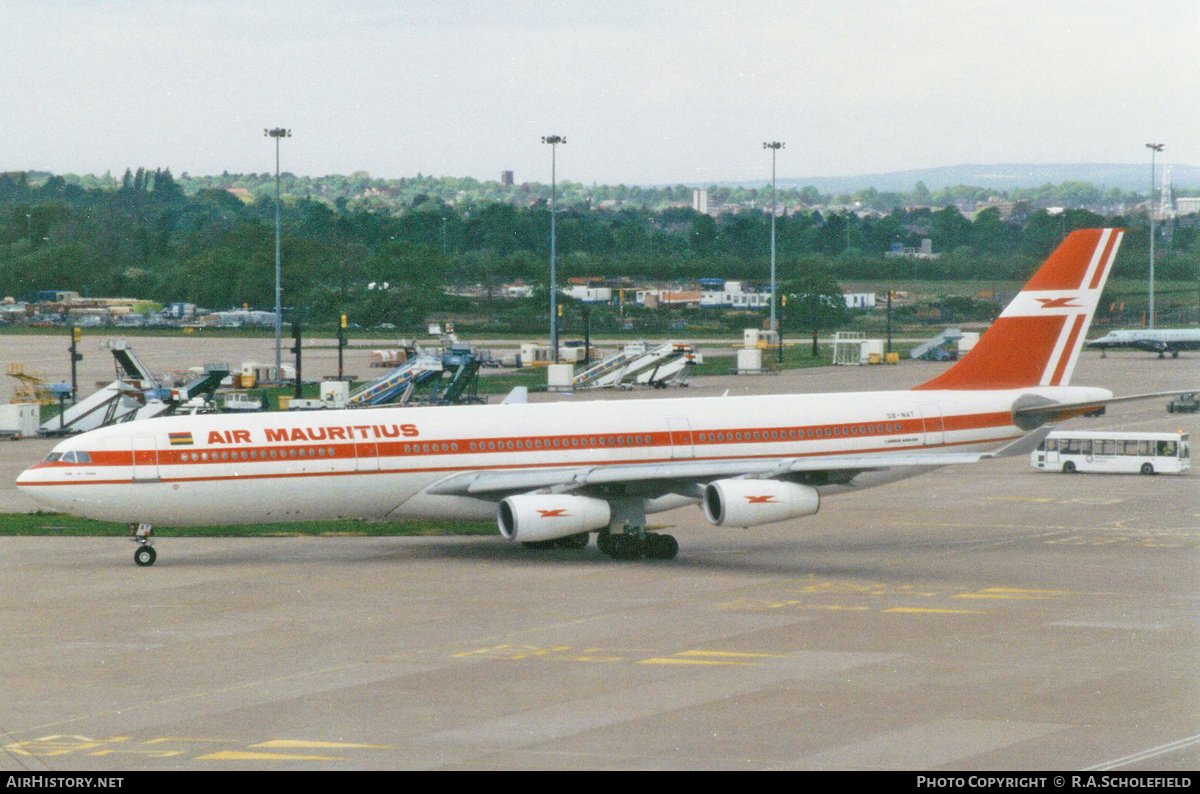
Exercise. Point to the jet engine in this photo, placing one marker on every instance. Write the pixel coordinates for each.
(748, 503)
(529, 518)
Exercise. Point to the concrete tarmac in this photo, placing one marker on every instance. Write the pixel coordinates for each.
(988, 616)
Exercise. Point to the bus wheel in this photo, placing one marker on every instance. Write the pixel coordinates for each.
(1147, 468)
(1068, 468)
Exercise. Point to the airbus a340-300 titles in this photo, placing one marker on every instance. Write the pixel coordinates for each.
(555, 472)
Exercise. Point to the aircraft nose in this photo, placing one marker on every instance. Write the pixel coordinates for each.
(32, 483)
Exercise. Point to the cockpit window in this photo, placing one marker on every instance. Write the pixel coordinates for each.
(74, 456)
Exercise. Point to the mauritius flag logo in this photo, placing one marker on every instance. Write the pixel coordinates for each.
(180, 439)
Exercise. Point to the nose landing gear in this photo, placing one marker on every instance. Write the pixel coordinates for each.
(145, 554)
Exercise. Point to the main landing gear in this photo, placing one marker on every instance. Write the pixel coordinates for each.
(630, 545)
(631, 541)
(145, 554)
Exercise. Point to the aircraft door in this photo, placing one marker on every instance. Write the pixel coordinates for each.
(367, 454)
(931, 415)
(145, 459)
(681, 437)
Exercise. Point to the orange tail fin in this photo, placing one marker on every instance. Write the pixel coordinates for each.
(1036, 339)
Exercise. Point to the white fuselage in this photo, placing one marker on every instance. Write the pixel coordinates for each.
(223, 469)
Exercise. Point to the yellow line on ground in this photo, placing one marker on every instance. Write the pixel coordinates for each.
(938, 611)
(1018, 590)
(239, 755)
(676, 660)
(729, 653)
(296, 744)
(1011, 596)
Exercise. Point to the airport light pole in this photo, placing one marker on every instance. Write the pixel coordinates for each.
(277, 133)
(774, 146)
(1154, 149)
(554, 141)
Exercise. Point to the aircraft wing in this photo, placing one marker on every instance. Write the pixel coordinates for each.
(678, 475)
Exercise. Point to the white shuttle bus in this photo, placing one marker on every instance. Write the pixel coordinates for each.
(1077, 450)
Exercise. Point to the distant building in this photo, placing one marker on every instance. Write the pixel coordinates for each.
(506, 178)
(859, 300)
(1187, 205)
(924, 252)
(700, 200)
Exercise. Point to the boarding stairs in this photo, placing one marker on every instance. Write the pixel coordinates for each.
(926, 348)
(399, 382)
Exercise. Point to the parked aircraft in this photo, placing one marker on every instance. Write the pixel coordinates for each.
(551, 473)
(1161, 341)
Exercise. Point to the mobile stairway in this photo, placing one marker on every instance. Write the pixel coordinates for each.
(658, 365)
(926, 349)
(398, 385)
(135, 394)
(463, 365)
(670, 368)
(610, 370)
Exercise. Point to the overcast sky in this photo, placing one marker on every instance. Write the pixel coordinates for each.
(645, 91)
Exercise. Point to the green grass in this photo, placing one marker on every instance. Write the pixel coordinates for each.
(23, 524)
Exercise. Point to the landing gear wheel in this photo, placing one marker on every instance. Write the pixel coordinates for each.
(144, 556)
(661, 547)
(604, 542)
(1147, 468)
(1068, 468)
(628, 547)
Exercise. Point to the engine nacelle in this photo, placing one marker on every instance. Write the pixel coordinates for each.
(748, 503)
(528, 518)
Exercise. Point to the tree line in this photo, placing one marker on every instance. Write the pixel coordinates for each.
(147, 236)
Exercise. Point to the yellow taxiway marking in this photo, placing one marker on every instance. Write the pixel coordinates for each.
(240, 755)
(927, 610)
(718, 658)
(185, 739)
(1011, 592)
(677, 660)
(301, 744)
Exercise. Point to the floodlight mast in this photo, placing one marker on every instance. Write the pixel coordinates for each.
(554, 141)
(774, 146)
(277, 133)
(1154, 149)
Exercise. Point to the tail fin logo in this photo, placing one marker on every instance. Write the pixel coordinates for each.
(1036, 339)
(1059, 303)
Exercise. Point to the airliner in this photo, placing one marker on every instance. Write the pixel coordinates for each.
(1161, 340)
(553, 473)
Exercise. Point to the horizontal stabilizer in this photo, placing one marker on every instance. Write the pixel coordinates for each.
(1058, 412)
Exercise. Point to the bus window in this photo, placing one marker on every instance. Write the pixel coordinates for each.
(1108, 447)
(1073, 446)
(1087, 446)
(1166, 449)
(1131, 448)
(1145, 448)
(1052, 445)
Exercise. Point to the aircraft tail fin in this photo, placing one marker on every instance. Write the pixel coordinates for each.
(1036, 339)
